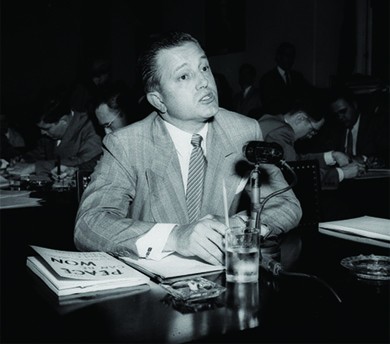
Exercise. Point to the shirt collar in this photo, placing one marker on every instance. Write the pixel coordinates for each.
(281, 71)
(182, 139)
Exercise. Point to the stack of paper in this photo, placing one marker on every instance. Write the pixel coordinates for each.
(17, 199)
(172, 267)
(365, 229)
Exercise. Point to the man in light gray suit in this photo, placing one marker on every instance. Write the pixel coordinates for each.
(136, 200)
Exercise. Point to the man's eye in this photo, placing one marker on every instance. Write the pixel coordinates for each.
(205, 68)
(342, 111)
(184, 77)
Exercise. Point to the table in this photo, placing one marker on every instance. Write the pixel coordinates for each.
(276, 309)
(289, 309)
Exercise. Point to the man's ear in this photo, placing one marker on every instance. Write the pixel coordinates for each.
(300, 116)
(65, 119)
(154, 98)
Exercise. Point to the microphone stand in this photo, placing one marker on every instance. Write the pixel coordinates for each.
(255, 183)
(257, 207)
(259, 152)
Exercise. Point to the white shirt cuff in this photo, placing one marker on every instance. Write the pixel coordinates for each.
(341, 174)
(329, 158)
(151, 244)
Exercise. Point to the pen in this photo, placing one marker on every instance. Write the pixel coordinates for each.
(58, 166)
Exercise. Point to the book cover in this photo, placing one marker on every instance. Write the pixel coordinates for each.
(70, 273)
(69, 303)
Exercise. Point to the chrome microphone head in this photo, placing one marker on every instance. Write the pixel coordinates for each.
(260, 152)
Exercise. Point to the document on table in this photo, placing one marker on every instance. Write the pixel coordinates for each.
(17, 199)
(375, 173)
(172, 266)
(366, 229)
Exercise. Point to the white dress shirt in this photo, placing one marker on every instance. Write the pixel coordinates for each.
(152, 243)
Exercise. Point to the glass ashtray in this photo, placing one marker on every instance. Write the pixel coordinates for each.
(371, 267)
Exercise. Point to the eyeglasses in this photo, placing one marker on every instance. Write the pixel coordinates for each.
(313, 130)
(108, 125)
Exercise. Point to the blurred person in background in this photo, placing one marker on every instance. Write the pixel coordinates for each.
(247, 101)
(67, 138)
(282, 85)
(12, 141)
(225, 92)
(113, 107)
(357, 128)
(95, 76)
(303, 122)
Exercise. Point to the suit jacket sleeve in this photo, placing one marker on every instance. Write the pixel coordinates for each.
(102, 221)
(285, 137)
(282, 212)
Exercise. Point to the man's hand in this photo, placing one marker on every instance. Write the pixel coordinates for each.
(341, 158)
(204, 238)
(65, 171)
(353, 170)
(241, 221)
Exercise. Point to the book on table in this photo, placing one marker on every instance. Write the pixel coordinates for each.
(364, 229)
(83, 274)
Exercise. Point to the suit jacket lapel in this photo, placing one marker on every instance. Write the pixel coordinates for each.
(220, 152)
(361, 139)
(168, 203)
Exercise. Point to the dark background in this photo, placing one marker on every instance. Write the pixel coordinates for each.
(46, 43)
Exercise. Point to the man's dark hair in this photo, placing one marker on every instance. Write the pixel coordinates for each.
(117, 96)
(312, 104)
(342, 93)
(55, 106)
(147, 61)
(285, 48)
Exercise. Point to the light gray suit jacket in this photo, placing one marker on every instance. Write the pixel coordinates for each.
(137, 183)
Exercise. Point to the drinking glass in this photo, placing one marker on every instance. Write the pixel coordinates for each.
(242, 245)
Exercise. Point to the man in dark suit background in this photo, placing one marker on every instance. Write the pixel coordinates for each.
(282, 85)
(357, 129)
(303, 122)
(248, 101)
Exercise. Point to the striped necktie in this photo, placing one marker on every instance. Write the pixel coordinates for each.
(195, 178)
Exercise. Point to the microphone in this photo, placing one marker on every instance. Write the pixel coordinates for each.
(260, 152)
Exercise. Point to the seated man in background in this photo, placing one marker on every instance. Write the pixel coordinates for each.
(158, 187)
(303, 122)
(12, 142)
(113, 106)
(68, 138)
(359, 130)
